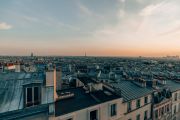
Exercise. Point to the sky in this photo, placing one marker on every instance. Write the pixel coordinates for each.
(97, 27)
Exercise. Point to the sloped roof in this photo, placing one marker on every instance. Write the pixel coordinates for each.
(131, 91)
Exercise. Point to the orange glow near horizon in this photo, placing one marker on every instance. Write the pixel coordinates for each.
(92, 52)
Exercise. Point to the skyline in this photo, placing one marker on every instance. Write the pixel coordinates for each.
(99, 28)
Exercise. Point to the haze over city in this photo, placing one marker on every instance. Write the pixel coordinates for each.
(97, 27)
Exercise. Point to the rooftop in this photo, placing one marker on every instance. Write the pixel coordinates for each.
(86, 80)
(173, 85)
(11, 89)
(131, 91)
(81, 100)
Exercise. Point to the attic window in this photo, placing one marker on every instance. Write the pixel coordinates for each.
(94, 115)
(113, 110)
(32, 96)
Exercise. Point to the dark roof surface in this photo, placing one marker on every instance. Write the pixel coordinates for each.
(11, 89)
(81, 100)
(86, 80)
(173, 85)
(131, 91)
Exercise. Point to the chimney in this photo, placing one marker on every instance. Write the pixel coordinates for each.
(55, 94)
(140, 82)
(58, 79)
(17, 67)
(51, 80)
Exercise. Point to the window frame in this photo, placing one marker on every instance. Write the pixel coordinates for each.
(146, 100)
(138, 117)
(138, 103)
(129, 106)
(93, 109)
(114, 106)
(33, 100)
(145, 114)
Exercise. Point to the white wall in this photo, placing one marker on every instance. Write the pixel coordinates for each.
(58, 80)
(103, 110)
(49, 78)
(134, 111)
(176, 103)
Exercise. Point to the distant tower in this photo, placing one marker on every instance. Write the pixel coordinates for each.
(32, 55)
(85, 54)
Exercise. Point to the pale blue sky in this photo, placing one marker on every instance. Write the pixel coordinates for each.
(99, 27)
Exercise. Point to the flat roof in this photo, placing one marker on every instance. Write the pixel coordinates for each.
(81, 100)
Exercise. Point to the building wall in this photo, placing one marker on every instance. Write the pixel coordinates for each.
(162, 107)
(49, 78)
(103, 112)
(135, 111)
(176, 105)
(58, 80)
(17, 68)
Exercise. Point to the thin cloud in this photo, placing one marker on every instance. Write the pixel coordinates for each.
(122, 1)
(175, 30)
(5, 26)
(31, 19)
(151, 9)
(85, 10)
(143, 27)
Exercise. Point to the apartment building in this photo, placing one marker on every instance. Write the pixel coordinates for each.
(175, 99)
(136, 100)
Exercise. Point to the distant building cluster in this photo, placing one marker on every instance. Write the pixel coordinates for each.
(89, 88)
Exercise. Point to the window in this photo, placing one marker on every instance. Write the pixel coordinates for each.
(168, 108)
(36, 96)
(113, 109)
(175, 97)
(165, 108)
(29, 101)
(174, 109)
(138, 117)
(156, 114)
(94, 115)
(138, 103)
(162, 111)
(32, 96)
(145, 115)
(174, 118)
(146, 100)
(159, 111)
(129, 106)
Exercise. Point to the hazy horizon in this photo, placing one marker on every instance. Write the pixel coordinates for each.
(149, 28)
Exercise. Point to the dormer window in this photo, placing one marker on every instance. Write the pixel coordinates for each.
(94, 115)
(113, 110)
(146, 100)
(32, 96)
(129, 106)
(175, 97)
(138, 103)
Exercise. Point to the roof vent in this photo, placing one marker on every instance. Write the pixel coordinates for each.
(108, 93)
(65, 95)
